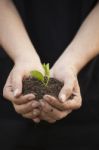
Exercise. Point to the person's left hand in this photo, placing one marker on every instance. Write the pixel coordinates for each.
(53, 109)
(69, 99)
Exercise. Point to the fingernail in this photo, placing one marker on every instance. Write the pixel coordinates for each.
(35, 104)
(31, 97)
(62, 98)
(47, 98)
(16, 92)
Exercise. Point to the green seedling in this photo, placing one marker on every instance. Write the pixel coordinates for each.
(43, 78)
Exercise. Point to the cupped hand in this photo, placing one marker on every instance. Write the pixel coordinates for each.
(23, 104)
(69, 97)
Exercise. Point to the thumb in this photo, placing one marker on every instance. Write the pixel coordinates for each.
(66, 91)
(16, 84)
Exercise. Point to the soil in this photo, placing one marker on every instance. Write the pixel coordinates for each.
(32, 85)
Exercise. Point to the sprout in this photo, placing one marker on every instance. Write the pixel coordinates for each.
(43, 78)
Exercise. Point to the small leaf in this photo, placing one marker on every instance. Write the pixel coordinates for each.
(46, 69)
(38, 75)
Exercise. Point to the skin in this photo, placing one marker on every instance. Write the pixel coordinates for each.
(83, 48)
(12, 26)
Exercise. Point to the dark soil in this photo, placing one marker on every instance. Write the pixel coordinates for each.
(32, 85)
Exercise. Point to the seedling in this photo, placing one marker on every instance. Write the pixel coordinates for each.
(43, 78)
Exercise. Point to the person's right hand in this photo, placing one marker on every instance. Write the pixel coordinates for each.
(12, 91)
(69, 99)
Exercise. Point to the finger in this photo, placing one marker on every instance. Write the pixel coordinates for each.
(16, 81)
(24, 108)
(28, 115)
(52, 112)
(67, 89)
(75, 103)
(36, 104)
(44, 117)
(55, 102)
(32, 114)
(24, 99)
(46, 110)
(36, 112)
(8, 94)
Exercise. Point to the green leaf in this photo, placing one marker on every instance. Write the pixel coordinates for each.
(46, 69)
(38, 75)
(44, 66)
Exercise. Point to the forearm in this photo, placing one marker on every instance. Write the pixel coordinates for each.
(85, 45)
(13, 36)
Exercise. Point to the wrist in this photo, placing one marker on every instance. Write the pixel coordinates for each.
(75, 58)
(27, 56)
(71, 61)
(29, 61)
(66, 60)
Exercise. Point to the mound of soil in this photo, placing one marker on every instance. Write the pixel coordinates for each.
(32, 85)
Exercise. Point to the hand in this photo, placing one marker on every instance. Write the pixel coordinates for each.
(23, 105)
(52, 110)
(69, 97)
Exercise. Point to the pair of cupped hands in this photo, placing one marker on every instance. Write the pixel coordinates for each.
(49, 108)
